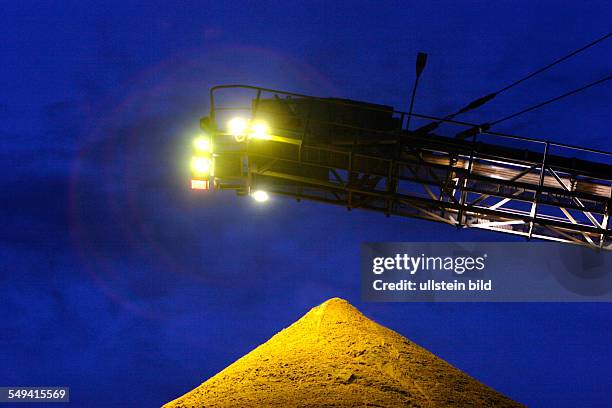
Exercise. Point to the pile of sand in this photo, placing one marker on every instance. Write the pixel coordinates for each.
(335, 356)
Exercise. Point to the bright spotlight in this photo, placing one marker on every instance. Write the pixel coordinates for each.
(202, 144)
(260, 196)
(260, 130)
(201, 165)
(238, 127)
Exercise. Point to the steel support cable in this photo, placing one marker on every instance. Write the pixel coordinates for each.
(557, 98)
(568, 56)
(486, 126)
(481, 101)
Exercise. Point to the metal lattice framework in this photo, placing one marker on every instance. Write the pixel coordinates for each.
(361, 155)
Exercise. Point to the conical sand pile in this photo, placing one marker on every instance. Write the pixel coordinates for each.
(336, 357)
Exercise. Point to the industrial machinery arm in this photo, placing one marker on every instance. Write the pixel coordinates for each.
(259, 141)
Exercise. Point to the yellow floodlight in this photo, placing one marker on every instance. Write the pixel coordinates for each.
(238, 127)
(202, 144)
(260, 196)
(260, 130)
(201, 165)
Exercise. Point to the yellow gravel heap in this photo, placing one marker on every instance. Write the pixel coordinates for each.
(336, 357)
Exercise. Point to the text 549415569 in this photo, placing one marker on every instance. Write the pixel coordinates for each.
(34, 394)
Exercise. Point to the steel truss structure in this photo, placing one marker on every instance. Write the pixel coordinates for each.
(363, 156)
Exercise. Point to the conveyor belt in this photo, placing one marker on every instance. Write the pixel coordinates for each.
(359, 155)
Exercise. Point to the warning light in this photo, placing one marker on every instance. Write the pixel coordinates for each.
(200, 184)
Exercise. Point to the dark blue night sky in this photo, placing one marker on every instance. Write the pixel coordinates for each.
(119, 282)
